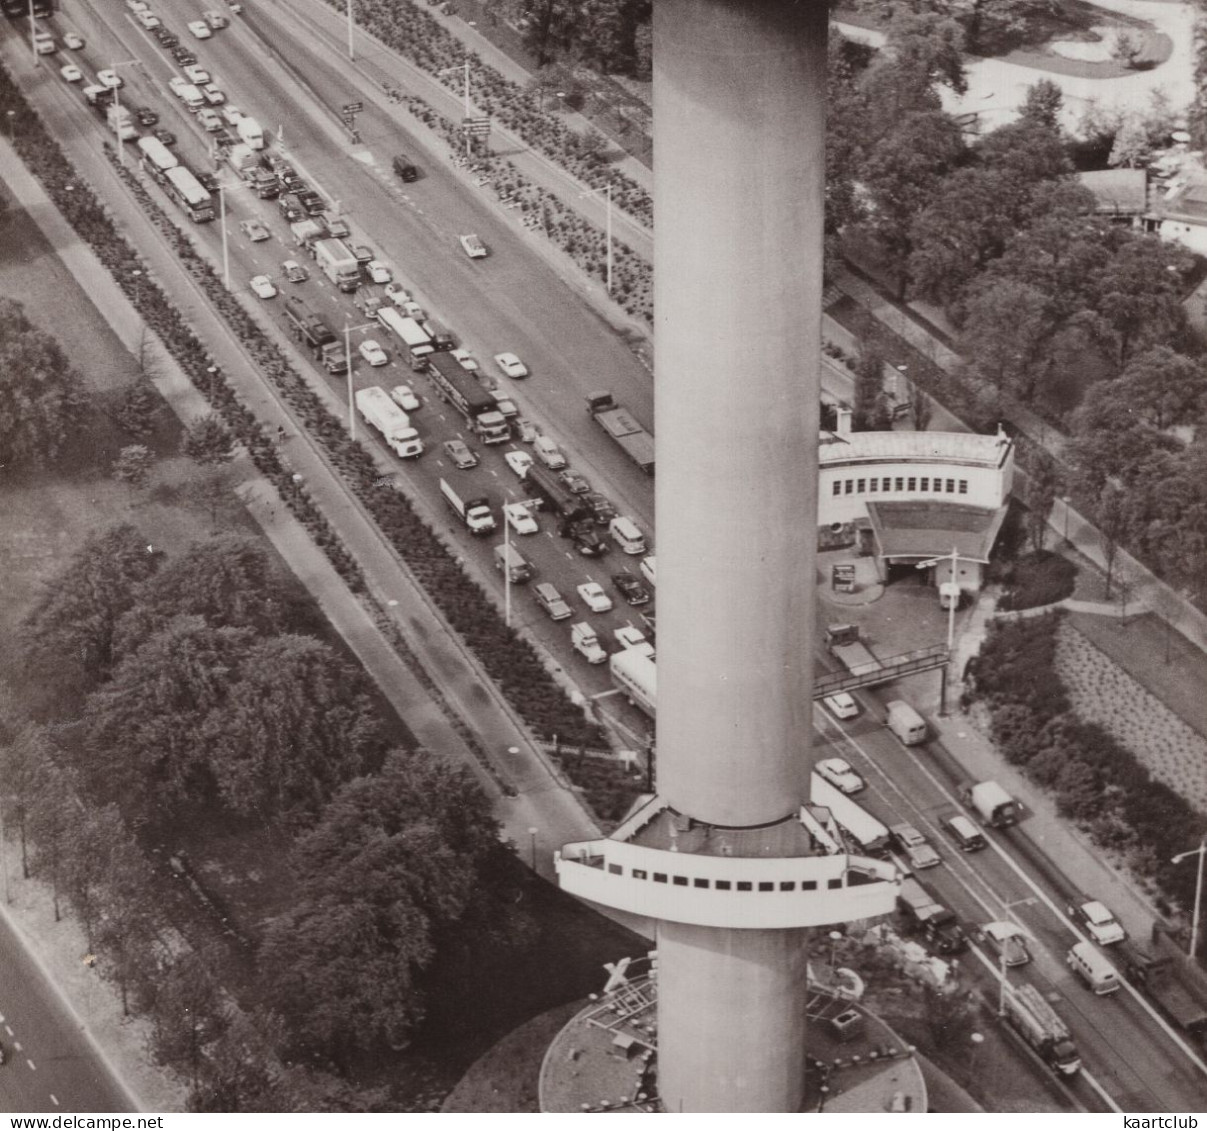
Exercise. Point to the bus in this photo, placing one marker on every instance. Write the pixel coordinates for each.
(635, 676)
(187, 191)
(157, 158)
(459, 389)
(864, 829)
(410, 333)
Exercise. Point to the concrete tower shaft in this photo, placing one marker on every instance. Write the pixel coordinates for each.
(739, 98)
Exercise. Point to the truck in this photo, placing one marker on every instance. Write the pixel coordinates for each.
(869, 836)
(121, 123)
(412, 336)
(476, 406)
(925, 915)
(337, 262)
(1166, 975)
(618, 422)
(306, 232)
(636, 676)
(310, 329)
(251, 170)
(442, 337)
(844, 644)
(1033, 1019)
(575, 520)
(251, 132)
(992, 804)
(379, 410)
(474, 512)
(905, 722)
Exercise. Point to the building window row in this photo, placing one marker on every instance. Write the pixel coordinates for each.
(723, 885)
(891, 484)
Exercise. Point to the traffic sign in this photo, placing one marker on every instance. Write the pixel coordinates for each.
(476, 127)
(352, 107)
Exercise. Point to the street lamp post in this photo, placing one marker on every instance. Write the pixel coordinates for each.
(1200, 852)
(532, 846)
(465, 108)
(351, 55)
(348, 328)
(117, 105)
(12, 127)
(608, 236)
(1065, 500)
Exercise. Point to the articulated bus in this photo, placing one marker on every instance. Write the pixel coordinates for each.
(869, 834)
(188, 192)
(636, 676)
(157, 158)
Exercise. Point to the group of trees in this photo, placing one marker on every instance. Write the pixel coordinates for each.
(610, 36)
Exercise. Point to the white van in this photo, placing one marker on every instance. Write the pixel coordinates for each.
(1088, 962)
(964, 833)
(190, 95)
(626, 535)
(906, 723)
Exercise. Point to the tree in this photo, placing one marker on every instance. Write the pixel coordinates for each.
(214, 491)
(1041, 495)
(42, 399)
(53, 818)
(1043, 103)
(1005, 329)
(68, 636)
(1112, 525)
(1127, 47)
(133, 465)
(1138, 294)
(921, 408)
(187, 1014)
(139, 404)
(208, 441)
(1165, 387)
(870, 412)
(20, 764)
(1130, 147)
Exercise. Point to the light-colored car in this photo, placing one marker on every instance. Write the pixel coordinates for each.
(254, 230)
(632, 638)
(551, 601)
(209, 121)
(473, 246)
(231, 114)
(548, 453)
(216, 20)
(594, 597)
(213, 95)
(838, 772)
(197, 74)
(371, 351)
(262, 287)
(466, 360)
(412, 309)
(378, 271)
(398, 295)
(147, 19)
(138, 6)
(587, 644)
(404, 397)
(511, 365)
(518, 461)
(914, 846)
(178, 85)
(200, 29)
(523, 430)
(841, 706)
(73, 42)
(294, 271)
(460, 453)
(519, 518)
(1098, 922)
(71, 73)
(111, 79)
(1010, 942)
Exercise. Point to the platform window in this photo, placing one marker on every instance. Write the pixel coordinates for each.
(847, 486)
(862, 486)
(723, 885)
(659, 877)
(766, 885)
(837, 486)
(873, 486)
(699, 883)
(640, 874)
(745, 885)
(615, 870)
(899, 484)
(679, 881)
(808, 885)
(788, 885)
(833, 884)
(926, 483)
(951, 486)
(963, 486)
(913, 484)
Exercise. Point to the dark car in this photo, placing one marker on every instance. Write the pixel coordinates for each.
(574, 482)
(312, 202)
(291, 208)
(166, 137)
(146, 116)
(601, 507)
(183, 56)
(208, 182)
(630, 588)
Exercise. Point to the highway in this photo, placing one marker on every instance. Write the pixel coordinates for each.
(513, 301)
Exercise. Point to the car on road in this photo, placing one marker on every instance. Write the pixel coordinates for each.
(549, 453)
(372, 352)
(511, 365)
(603, 510)
(466, 360)
(378, 272)
(460, 453)
(145, 116)
(551, 601)
(633, 639)
(148, 20)
(183, 56)
(166, 137)
(649, 569)
(111, 79)
(294, 271)
(196, 74)
(473, 246)
(231, 114)
(254, 230)
(213, 95)
(200, 29)
(73, 42)
(594, 597)
(841, 706)
(399, 296)
(630, 588)
(838, 772)
(216, 20)
(574, 482)
(404, 397)
(364, 254)
(519, 518)
(586, 643)
(1010, 942)
(210, 122)
(166, 38)
(518, 461)
(262, 287)
(412, 309)
(1097, 921)
(914, 846)
(523, 430)
(71, 73)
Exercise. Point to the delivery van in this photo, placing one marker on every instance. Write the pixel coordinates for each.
(906, 723)
(626, 535)
(508, 559)
(1088, 963)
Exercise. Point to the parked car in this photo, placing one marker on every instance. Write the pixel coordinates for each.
(404, 397)
(262, 287)
(254, 230)
(473, 247)
(460, 453)
(914, 846)
(518, 461)
(594, 597)
(630, 588)
(511, 365)
(519, 517)
(1097, 921)
(838, 772)
(842, 705)
(372, 352)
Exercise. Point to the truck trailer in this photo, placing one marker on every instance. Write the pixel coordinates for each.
(1177, 985)
(379, 410)
(310, 329)
(619, 423)
(1041, 1027)
(992, 804)
(844, 644)
(473, 511)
